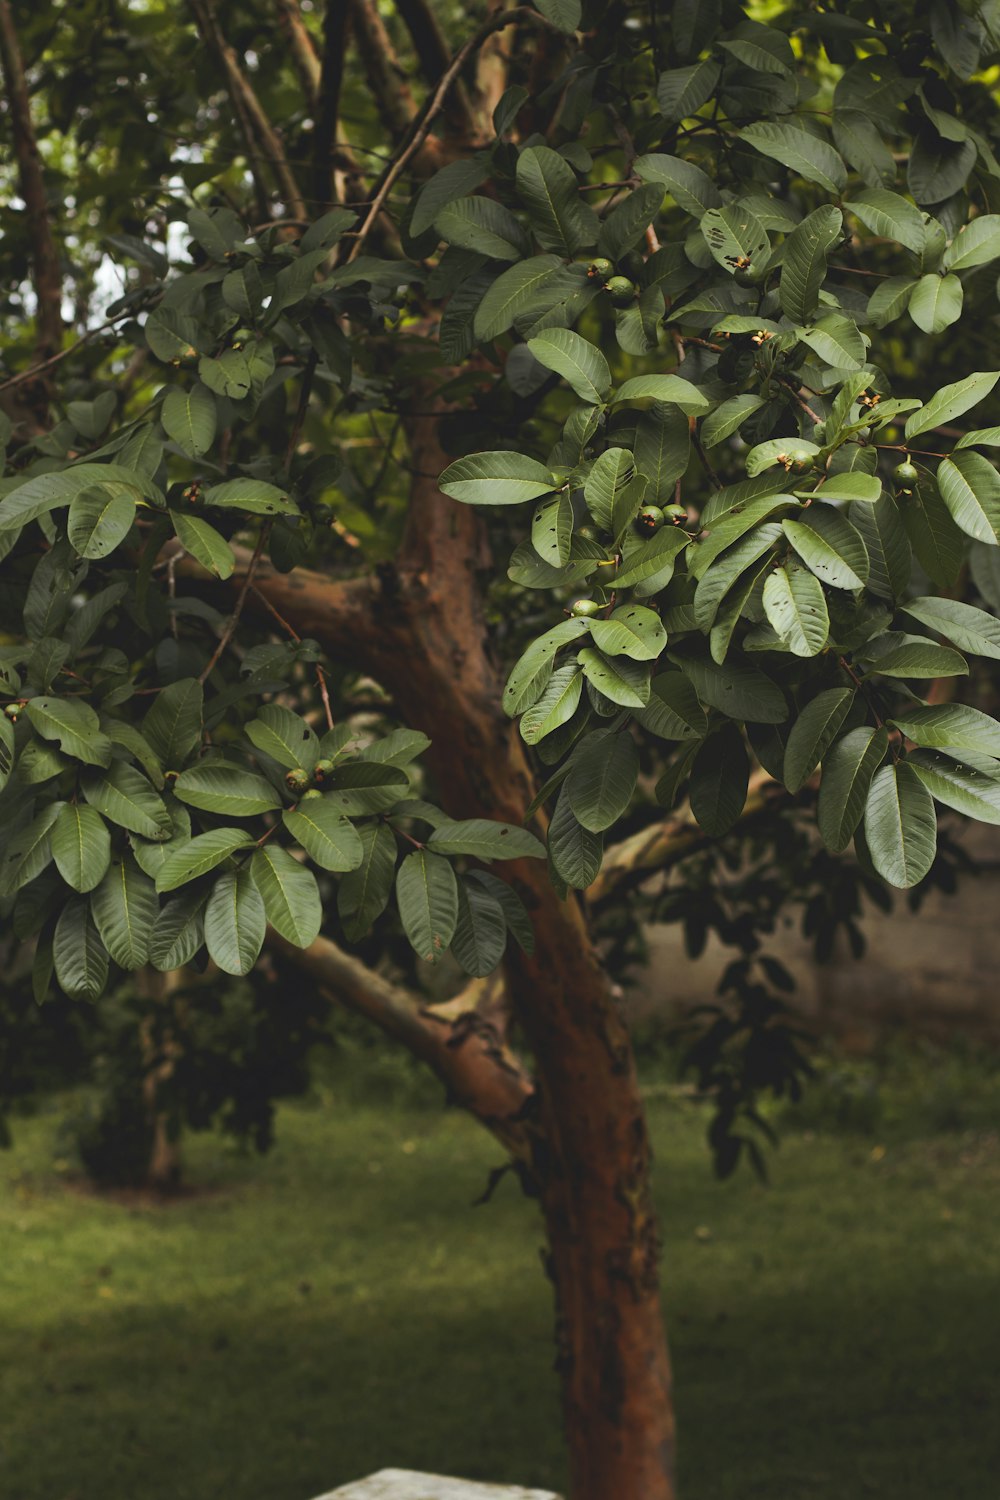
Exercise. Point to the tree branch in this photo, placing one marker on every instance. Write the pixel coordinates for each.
(431, 47)
(393, 97)
(303, 52)
(263, 141)
(44, 255)
(465, 1051)
(328, 91)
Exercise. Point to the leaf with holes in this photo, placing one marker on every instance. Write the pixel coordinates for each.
(795, 605)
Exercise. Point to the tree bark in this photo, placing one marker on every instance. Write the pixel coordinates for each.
(419, 630)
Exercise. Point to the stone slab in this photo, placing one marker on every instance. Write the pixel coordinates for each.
(401, 1484)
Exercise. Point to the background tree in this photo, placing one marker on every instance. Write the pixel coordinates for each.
(701, 278)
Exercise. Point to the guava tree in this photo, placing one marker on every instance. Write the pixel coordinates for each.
(578, 436)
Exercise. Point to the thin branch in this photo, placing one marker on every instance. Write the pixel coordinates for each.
(255, 123)
(302, 50)
(431, 47)
(324, 691)
(241, 597)
(393, 98)
(45, 257)
(46, 364)
(328, 98)
(420, 128)
(458, 1043)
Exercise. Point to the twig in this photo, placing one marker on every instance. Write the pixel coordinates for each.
(420, 128)
(328, 98)
(46, 364)
(290, 630)
(44, 255)
(241, 598)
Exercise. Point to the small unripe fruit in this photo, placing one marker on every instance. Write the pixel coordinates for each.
(744, 276)
(589, 533)
(906, 474)
(297, 781)
(321, 770)
(13, 711)
(801, 465)
(819, 432)
(632, 264)
(169, 777)
(600, 269)
(650, 519)
(311, 792)
(585, 608)
(676, 513)
(621, 291)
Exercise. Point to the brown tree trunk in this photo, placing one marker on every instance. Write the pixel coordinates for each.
(163, 1174)
(420, 631)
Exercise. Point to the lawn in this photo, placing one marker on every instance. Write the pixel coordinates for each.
(340, 1305)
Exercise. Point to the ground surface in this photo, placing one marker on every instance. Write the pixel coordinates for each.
(340, 1306)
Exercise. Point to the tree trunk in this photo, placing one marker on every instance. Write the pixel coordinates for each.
(419, 629)
(163, 1174)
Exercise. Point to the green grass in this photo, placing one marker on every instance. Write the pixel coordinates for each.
(340, 1306)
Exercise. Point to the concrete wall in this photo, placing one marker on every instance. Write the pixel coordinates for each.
(935, 972)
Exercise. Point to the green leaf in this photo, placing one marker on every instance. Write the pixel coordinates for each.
(6, 751)
(552, 529)
(497, 478)
(830, 547)
(812, 734)
(935, 539)
(632, 630)
(99, 519)
(652, 559)
(80, 957)
(451, 183)
(896, 654)
(47, 492)
(28, 851)
(803, 268)
(485, 839)
(531, 672)
(204, 544)
(546, 185)
(602, 779)
(327, 836)
(936, 303)
(555, 706)
(672, 388)
(73, 725)
(481, 931)
(515, 290)
(970, 487)
(796, 607)
(81, 846)
(515, 915)
(889, 300)
(483, 226)
(625, 682)
(720, 775)
(626, 225)
(951, 401)
(364, 786)
(188, 416)
(290, 894)
(970, 784)
(682, 91)
(965, 626)
(286, 738)
(804, 154)
(728, 418)
(730, 526)
(576, 360)
(691, 188)
(235, 921)
(848, 768)
(566, 15)
(611, 472)
(173, 725)
(736, 237)
(226, 789)
(890, 216)
(199, 855)
(125, 796)
(975, 244)
(427, 896)
(854, 484)
(574, 851)
(178, 931)
(900, 826)
(949, 726)
(251, 495)
(363, 893)
(673, 711)
(837, 339)
(124, 908)
(737, 690)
